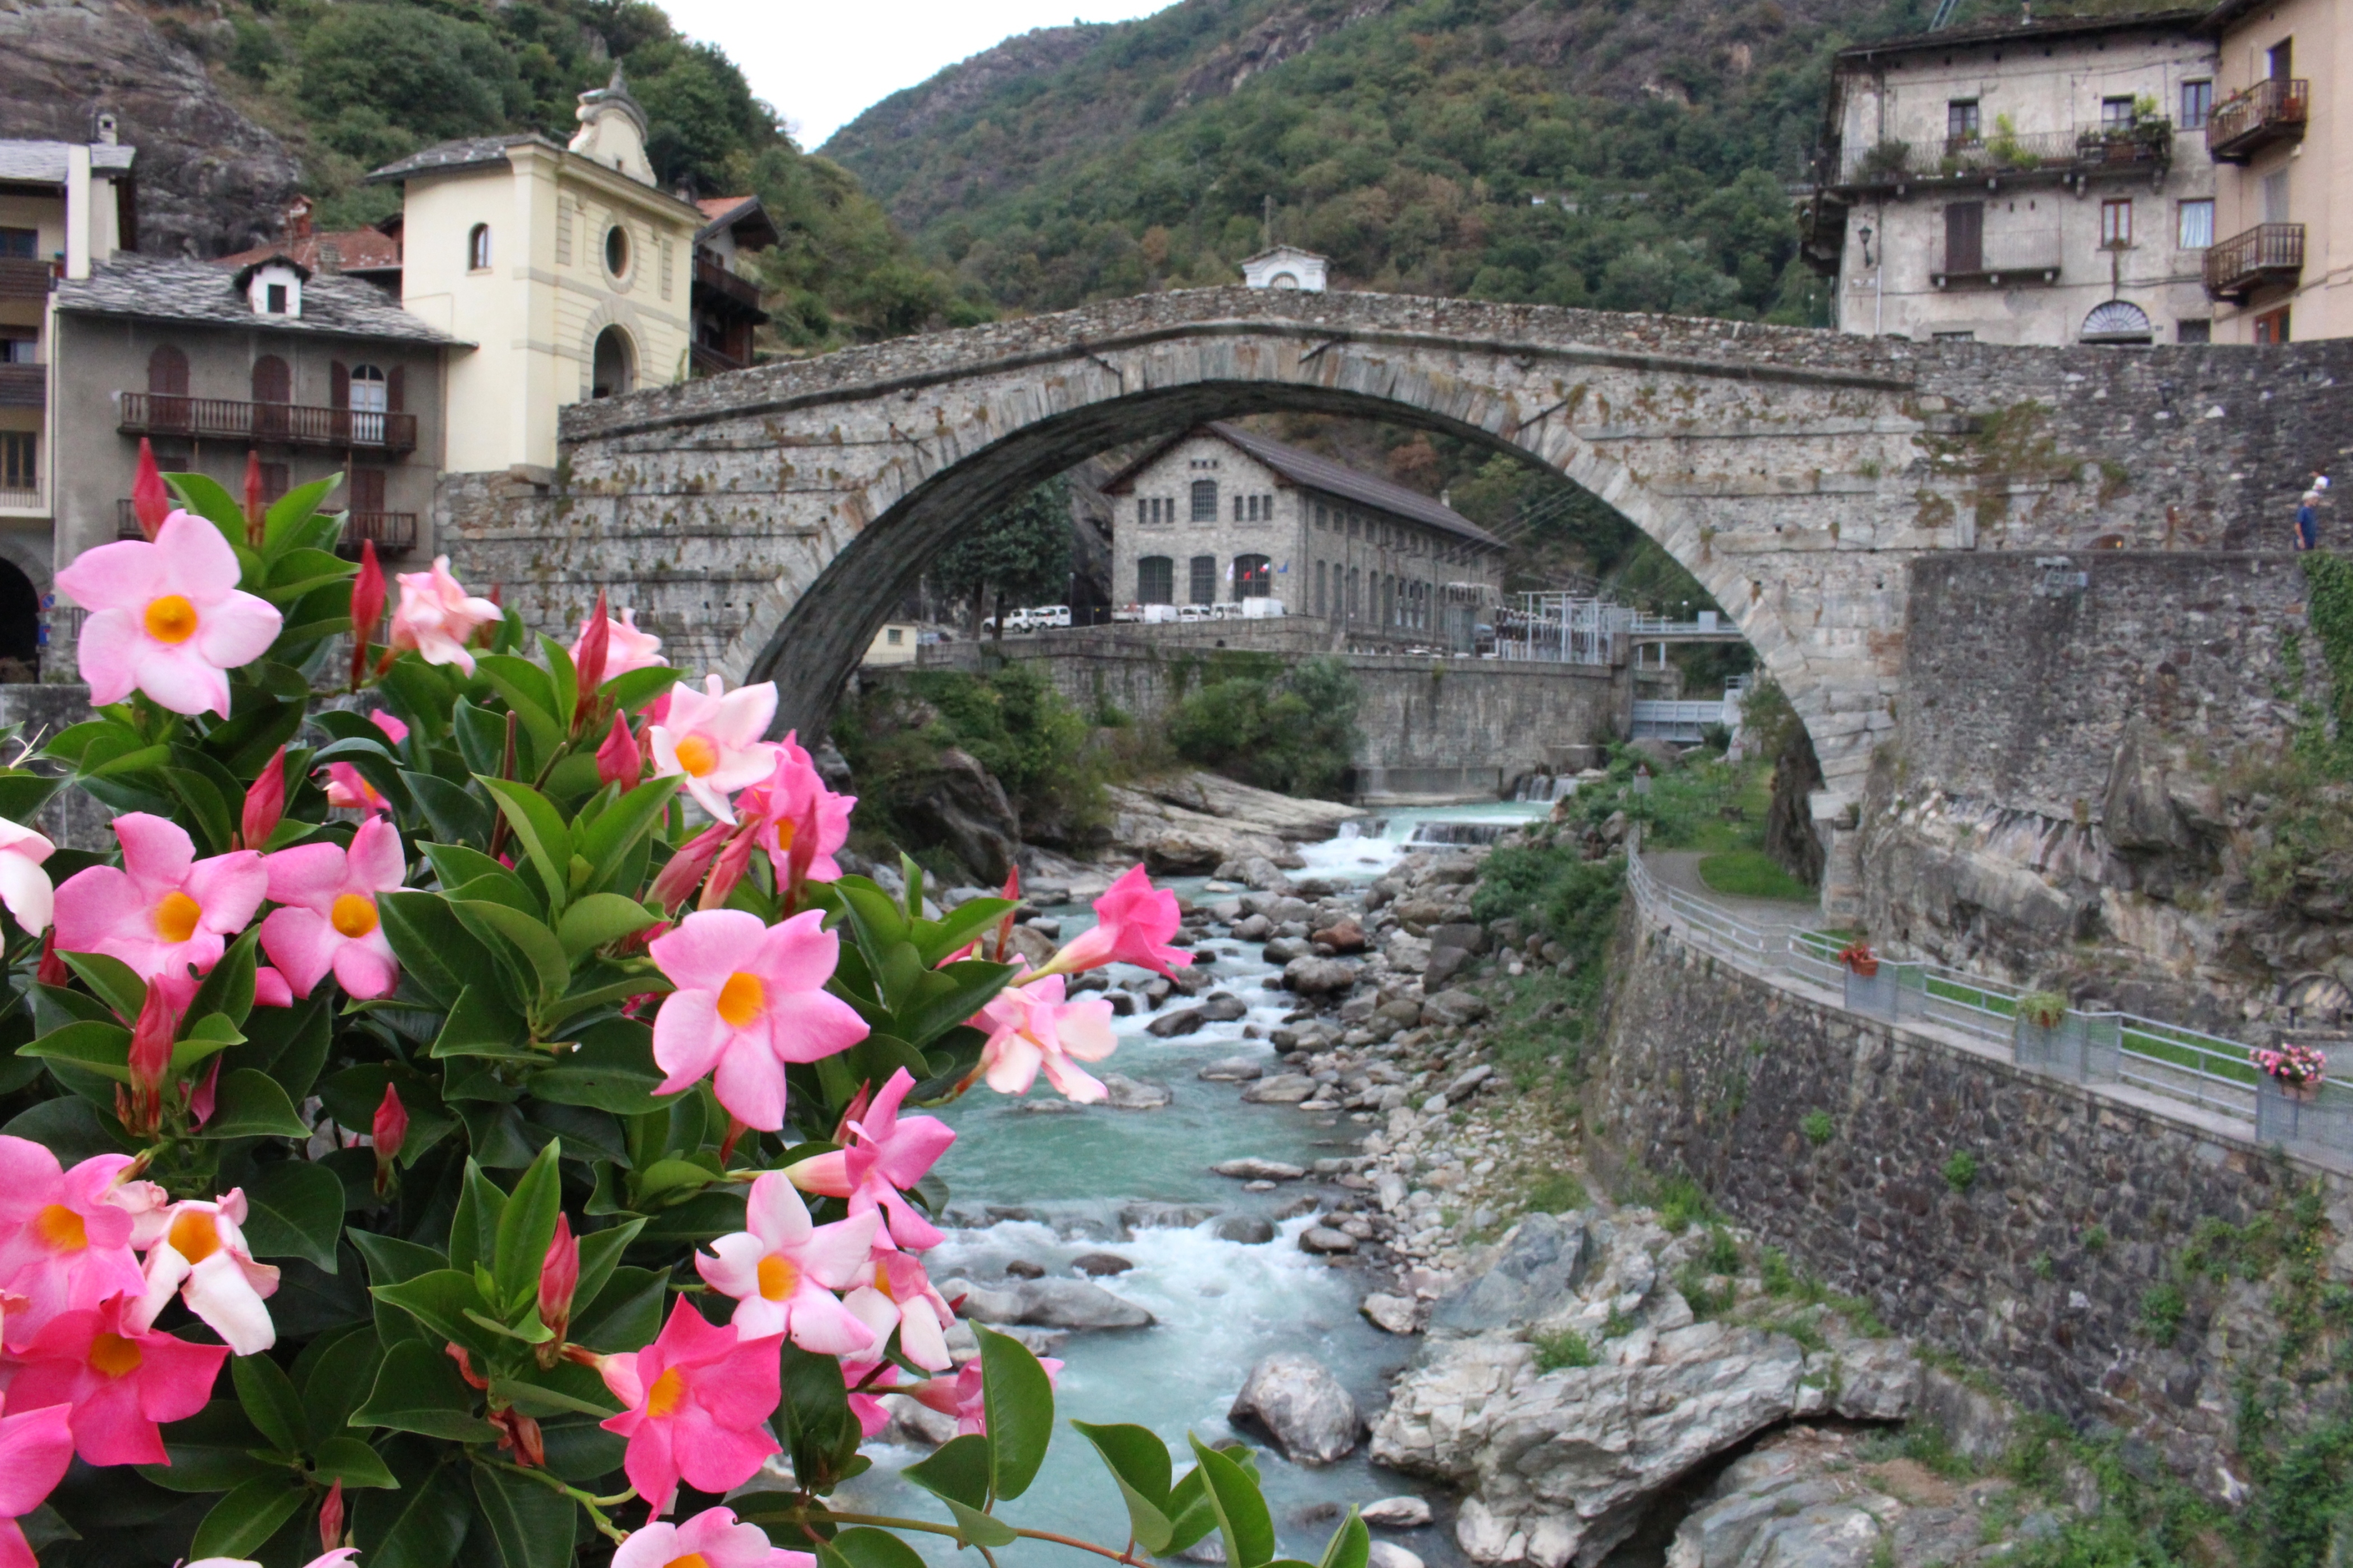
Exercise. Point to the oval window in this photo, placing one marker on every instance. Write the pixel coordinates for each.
(617, 250)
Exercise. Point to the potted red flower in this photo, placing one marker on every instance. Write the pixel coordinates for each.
(1859, 960)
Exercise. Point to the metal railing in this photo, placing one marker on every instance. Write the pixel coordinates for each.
(2274, 110)
(23, 385)
(292, 424)
(2171, 1061)
(711, 273)
(26, 277)
(23, 498)
(2268, 253)
(2085, 151)
(393, 532)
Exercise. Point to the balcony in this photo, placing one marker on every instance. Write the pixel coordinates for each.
(23, 385)
(711, 277)
(2272, 112)
(284, 424)
(709, 360)
(395, 533)
(20, 500)
(2267, 254)
(25, 277)
(2072, 157)
(2020, 274)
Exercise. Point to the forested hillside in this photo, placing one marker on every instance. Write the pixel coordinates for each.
(1631, 154)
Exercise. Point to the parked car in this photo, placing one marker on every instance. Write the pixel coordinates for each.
(1123, 614)
(1261, 609)
(1196, 612)
(1044, 616)
(1159, 615)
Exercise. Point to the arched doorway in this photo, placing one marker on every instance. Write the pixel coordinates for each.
(20, 626)
(612, 369)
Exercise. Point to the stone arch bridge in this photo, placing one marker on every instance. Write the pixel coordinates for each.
(765, 522)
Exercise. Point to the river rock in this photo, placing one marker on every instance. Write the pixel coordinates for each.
(1184, 1021)
(1545, 1258)
(1022, 1269)
(1251, 1168)
(1284, 1088)
(1390, 1554)
(1284, 949)
(1455, 1008)
(1225, 1008)
(1253, 927)
(1094, 1264)
(1300, 1404)
(961, 805)
(1564, 1464)
(1249, 1229)
(1341, 936)
(1232, 1069)
(1049, 1303)
(1404, 1511)
(1313, 976)
(1468, 1081)
(1390, 1314)
(1127, 1093)
(1323, 1241)
(913, 1425)
(1153, 1215)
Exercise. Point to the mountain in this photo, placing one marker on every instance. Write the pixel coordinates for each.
(1634, 154)
(235, 106)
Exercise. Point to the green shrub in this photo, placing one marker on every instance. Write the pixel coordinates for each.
(1617, 1325)
(1541, 1030)
(1961, 1171)
(1752, 874)
(2096, 1239)
(2162, 1308)
(1818, 1127)
(1683, 1202)
(1722, 1254)
(2043, 1009)
(1558, 1193)
(1293, 731)
(1773, 1267)
(1705, 1300)
(1564, 1349)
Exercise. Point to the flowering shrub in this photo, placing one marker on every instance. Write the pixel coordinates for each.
(2293, 1067)
(541, 1166)
(1857, 957)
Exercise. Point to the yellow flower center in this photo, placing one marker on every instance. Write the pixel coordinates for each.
(171, 618)
(353, 914)
(740, 998)
(61, 1228)
(176, 916)
(194, 1236)
(784, 839)
(778, 1278)
(882, 1282)
(697, 755)
(691, 1559)
(114, 1355)
(665, 1395)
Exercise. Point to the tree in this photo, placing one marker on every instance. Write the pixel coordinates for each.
(1019, 552)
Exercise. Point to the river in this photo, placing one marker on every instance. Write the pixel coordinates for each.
(1220, 1305)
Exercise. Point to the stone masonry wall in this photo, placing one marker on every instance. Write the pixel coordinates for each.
(2039, 1272)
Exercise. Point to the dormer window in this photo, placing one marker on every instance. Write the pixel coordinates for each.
(276, 303)
(273, 287)
(478, 248)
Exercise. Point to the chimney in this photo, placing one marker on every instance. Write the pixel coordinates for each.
(107, 128)
(298, 220)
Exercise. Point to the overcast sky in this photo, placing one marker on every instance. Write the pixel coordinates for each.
(820, 62)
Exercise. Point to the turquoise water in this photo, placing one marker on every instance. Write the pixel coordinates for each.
(1220, 1305)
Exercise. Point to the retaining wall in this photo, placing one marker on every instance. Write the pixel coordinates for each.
(2042, 1269)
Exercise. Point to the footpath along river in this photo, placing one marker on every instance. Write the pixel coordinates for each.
(1079, 1178)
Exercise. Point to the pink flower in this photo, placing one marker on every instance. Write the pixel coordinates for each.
(962, 1395)
(23, 886)
(67, 1239)
(164, 910)
(347, 788)
(713, 741)
(802, 822)
(270, 988)
(866, 1406)
(783, 1270)
(328, 916)
(627, 649)
(712, 1539)
(338, 1557)
(1031, 1026)
(700, 1397)
(618, 759)
(120, 1379)
(899, 1295)
(890, 1155)
(201, 1257)
(35, 1447)
(1133, 920)
(750, 998)
(167, 618)
(437, 618)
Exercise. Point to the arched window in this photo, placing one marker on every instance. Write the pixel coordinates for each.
(167, 389)
(273, 388)
(20, 626)
(1254, 577)
(1203, 588)
(2117, 322)
(1204, 500)
(1156, 581)
(478, 248)
(614, 369)
(368, 403)
(1319, 588)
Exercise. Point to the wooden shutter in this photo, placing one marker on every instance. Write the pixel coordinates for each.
(394, 386)
(167, 373)
(1965, 236)
(339, 384)
(271, 381)
(367, 490)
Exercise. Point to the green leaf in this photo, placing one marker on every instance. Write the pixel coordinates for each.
(336, 1373)
(352, 1462)
(1240, 1508)
(600, 918)
(71, 1129)
(1138, 1462)
(525, 1229)
(295, 1209)
(539, 829)
(22, 796)
(480, 1024)
(440, 1301)
(99, 1048)
(434, 946)
(455, 813)
(600, 1254)
(271, 1402)
(241, 1521)
(207, 813)
(605, 843)
(420, 1526)
(474, 1229)
(250, 1104)
(530, 692)
(936, 939)
(1019, 1400)
(227, 991)
(532, 1525)
(1351, 1545)
(979, 1527)
(610, 1068)
(958, 1471)
(946, 997)
(111, 981)
(289, 511)
(418, 1390)
(212, 1451)
(634, 691)
(550, 966)
(626, 1313)
(866, 1547)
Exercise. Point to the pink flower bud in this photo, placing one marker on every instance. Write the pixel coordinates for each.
(596, 639)
(253, 509)
(390, 1132)
(686, 866)
(151, 500)
(52, 970)
(367, 608)
(559, 1276)
(618, 761)
(729, 871)
(265, 802)
(330, 1518)
(151, 1058)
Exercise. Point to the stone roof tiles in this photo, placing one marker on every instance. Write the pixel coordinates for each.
(171, 288)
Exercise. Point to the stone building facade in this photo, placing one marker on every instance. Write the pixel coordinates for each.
(2281, 138)
(1219, 514)
(2044, 183)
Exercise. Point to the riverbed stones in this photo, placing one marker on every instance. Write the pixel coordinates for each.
(1404, 1511)
(1326, 1241)
(1311, 976)
(1125, 1093)
(1224, 1007)
(1390, 1554)
(1284, 1088)
(1297, 1402)
(1232, 1069)
(1343, 936)
(1184, 1021)
(1249, 1229)
(1454, 1008)
(1049, 1303)
(1390, 1314)
(1252, 1168)
(1545, 1258)
(1095, 1265)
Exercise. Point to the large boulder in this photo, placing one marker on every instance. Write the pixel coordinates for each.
(961, 805)
(1561, 1466)
(1300, 1404)
(1049, 1303)
(1545, 1258)
(1319, 977)
(1454, 1008)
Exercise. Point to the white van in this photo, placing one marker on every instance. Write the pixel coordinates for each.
(1261, 609)
(1044, 616)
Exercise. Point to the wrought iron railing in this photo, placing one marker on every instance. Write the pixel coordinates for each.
(393, 533)
(2088, 149)
(2274, 110)
(2268, 253)
(2170, 1064)
(713, 274)
(291, 424)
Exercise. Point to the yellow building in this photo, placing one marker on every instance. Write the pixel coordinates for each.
(569, 268)
(2281, 135)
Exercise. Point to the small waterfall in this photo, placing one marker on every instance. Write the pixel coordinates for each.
(1461, 832)
(1543, 789)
